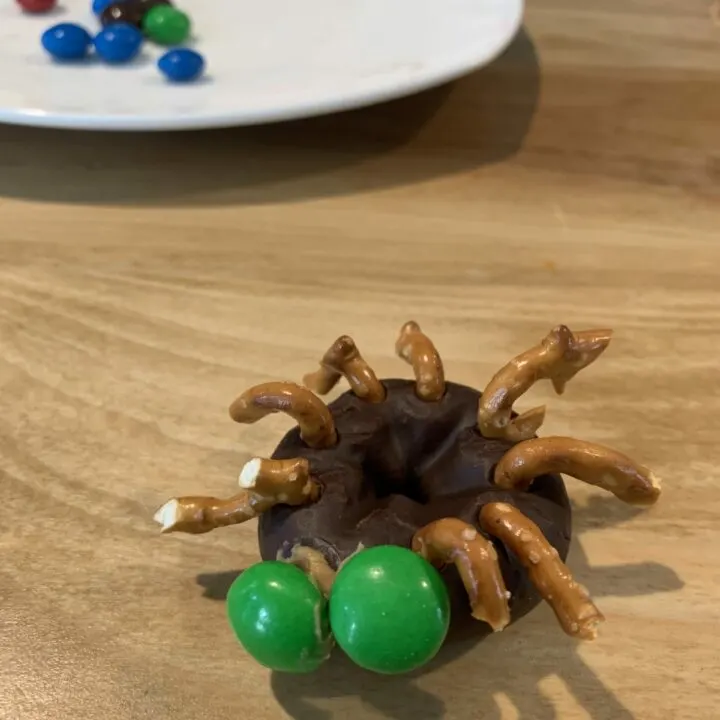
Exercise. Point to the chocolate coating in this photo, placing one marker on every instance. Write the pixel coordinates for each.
(399, 465)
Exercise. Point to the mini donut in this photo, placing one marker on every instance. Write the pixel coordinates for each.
(406, 514)
(400, 465)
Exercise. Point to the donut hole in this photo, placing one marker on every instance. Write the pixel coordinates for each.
(385, 481)
(410, 448)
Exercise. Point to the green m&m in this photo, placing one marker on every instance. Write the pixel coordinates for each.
(166, 25)
(280, 617)
(389, 609)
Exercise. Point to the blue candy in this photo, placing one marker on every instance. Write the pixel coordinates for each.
(181, 65)
(118, 43)
(99, 5)
(66, 41)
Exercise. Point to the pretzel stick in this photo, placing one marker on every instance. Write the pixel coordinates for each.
(591, 463)
(416, 348)
(558, 358)
(198, 514)
(344, 359)
(453, 541)
(266, 483)
(570, 601)
(287, 480)
(313, 564)
(317, 427)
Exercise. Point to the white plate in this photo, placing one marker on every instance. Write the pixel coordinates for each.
(268, 60)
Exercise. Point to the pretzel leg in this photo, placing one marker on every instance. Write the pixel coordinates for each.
(453, 541)
(312, 415)
(570, 601)
(314, 565)
(416, 348)
(594, 464)
(343, 359)
(558, 357)
(265, 483)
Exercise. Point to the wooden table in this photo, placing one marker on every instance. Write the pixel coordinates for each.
(146, 280)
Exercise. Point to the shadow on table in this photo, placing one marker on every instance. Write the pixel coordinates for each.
(518, 660)
(485, 118)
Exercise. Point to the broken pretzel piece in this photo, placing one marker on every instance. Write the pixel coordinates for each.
(265, 483)
(200, 514)
(287, 480)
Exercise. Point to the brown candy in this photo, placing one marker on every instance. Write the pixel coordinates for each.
(131, 12)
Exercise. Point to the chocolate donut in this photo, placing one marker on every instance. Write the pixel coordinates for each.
(404, 504)
(399, 465)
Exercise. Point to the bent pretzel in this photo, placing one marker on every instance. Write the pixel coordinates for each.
(344, 359)
(453, 541)
(416, 348)
(317, 427)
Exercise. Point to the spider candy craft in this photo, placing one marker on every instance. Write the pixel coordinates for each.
(405, 503)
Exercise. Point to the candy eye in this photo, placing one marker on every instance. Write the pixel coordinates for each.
(389, 609)
(280, 617)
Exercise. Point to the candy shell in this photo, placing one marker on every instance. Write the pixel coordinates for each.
(166, 25)
(119, 43)
(66, 41)
(122, 11)
(181, 65)
(280, 617)
(37, 6)
(389, 609)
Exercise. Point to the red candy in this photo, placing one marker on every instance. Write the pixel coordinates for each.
(37, 6)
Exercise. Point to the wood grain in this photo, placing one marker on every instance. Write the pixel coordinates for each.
(146, 280)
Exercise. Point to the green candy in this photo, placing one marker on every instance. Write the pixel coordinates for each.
(280, 617)
(389, 609)
(166, 25)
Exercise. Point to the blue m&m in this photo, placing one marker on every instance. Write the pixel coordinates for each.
(118, 43)
(181, 65)
(126, 25)
(67, 41)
